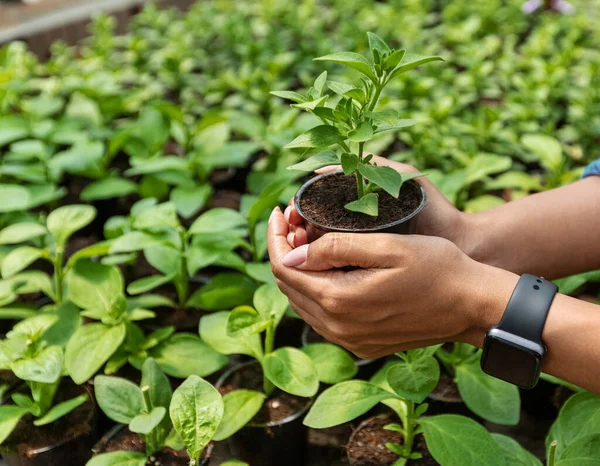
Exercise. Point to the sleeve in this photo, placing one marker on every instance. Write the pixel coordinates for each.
(592, 170)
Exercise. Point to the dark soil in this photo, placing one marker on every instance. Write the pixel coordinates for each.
(323, 203)
(446, 390)
(278, 407)
(367, 445)
(125, 440)
(26, 438)
(226, 198)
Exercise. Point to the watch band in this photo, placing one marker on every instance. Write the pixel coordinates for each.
(527, 310)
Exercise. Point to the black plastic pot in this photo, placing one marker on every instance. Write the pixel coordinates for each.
(273, 443)
(442, 402)
(100, 447)
(75, 450)
(403, 226)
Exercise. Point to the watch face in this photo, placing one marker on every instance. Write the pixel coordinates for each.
(511, 363)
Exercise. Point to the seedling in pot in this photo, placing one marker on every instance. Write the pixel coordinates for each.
(188, 418)
(46, 242)
(355, 120)
(403, 387)
(33, 351)
(98, 290)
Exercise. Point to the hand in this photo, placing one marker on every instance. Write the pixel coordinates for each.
(438, 218)
(409, 291)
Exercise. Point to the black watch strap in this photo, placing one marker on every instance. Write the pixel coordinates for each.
(527, 310)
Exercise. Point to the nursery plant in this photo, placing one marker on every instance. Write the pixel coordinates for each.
(98, 290)
(355, 120)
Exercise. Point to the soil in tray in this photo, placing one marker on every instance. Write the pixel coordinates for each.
(27, 438)
(125, 440)
(446, 390)
(323, 202)
(367, 446)
(278, 407)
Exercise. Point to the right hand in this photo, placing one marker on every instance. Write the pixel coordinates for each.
(438, 218)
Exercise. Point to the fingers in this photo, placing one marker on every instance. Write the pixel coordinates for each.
(277, 236)
(329, 169)
(337, 250)
(292, 216)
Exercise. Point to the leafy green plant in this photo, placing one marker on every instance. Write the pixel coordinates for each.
(98, 290)
(355, 120)
(33, 351)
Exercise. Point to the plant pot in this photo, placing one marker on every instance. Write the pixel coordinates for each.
(67, 441)
(268, 442)
(119, 438)
(445, 398)
(326, 195)
(366, 367)
(367, 444)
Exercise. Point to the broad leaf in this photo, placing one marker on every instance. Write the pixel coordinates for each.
(66, 220)
(224, 291)
(61, 409)
(145, 423)
(189, 201)
(459, 441)
(386, 178)
(484, 164)
(270, 302)
(343, 403)
(196, 411)
(160, 388)
(19, 259)
(46, 367)
(377, 43)
(579, 417)
(514, 454)
(14, 198)
(142, 285)
(410, 61)
(351, 60)
(213, 331)
(319, 136)
(547, 150)
(119, 458)
(333, 363)
(289, 95)
(368, 204)
(245, 321)
(240, 407)
(95, 286)
(361, 134)
(585, 451)
(108, 188)
(10, 416)
(292, 371)
(218, 220)
(322, 159)
(21, 232)
(119, 399)
(414, 379)
(135, 241)
(12, 128)
(349, 163)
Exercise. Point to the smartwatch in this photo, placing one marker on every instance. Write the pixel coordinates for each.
(513, 350)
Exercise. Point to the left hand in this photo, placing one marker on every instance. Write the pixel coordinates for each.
(405, 291)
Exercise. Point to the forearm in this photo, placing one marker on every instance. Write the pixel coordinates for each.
(551, 234)
(570, 334)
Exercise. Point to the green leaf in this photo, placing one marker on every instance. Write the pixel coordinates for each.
(339, 88)
(361, 134)
(10, 416)
(19, 259)
(245, 321)
(142, 285)
(66, 220)
(319, 136)
(289, 95)
(292, 371)
(358, 397)
(119, 458)
(351, 60)
(410, 61)
(93, 285)
(414, 379)
(61, 409)
(21, 232)
(389, 117)
(393, 59)
(268, 198)
(377, 43)
(312, 104)
(218, 220)
(320, 82)
(134, 241)
(119, 399)
(584, 451)
(491, 398)
(368, 204)
(108, 188)
(224, 291)
(81, 107)
(45, 367)
(213, 331)
(234, 463)
(146, 423)
(61, 331)
(184, 354)
(94, 250)
(547, 149)
(386, 178)
(270, 302)
(12, 128)
(579, 417)
(160, 388)
(196, 411)
(189, 201)
(350, 163)
(14, 198)
(515, 454)
(160, 216)
(322, 159)
(483, 165)
(261, 272)
(240, 408)
(43, 105)
(333, 364)
(459, 441)
(90, 347)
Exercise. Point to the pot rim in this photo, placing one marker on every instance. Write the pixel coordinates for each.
(108, 436)
(362, 425)
(304, 339)
(221, 381)
(376, 229)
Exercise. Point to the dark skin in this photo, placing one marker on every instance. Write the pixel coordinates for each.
(451, 281)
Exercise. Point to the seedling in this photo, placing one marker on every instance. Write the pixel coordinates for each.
(355, 120)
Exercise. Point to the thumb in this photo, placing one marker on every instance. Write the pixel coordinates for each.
(337, 250)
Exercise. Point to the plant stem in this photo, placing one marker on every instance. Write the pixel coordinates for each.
(181, 283)
(378, 89)
(552, 453)
(360, 183)
(58, 274)
(152, 444)
(409, 428)
(269, 344)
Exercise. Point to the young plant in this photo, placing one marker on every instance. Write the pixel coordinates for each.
(33, 351)
(355, 120)
(403, 387)
(50, 244)
(98, 290)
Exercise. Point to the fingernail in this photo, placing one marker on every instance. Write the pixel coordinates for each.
(290, 239)
(287, 213)
(295, 257)
(273, 214)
